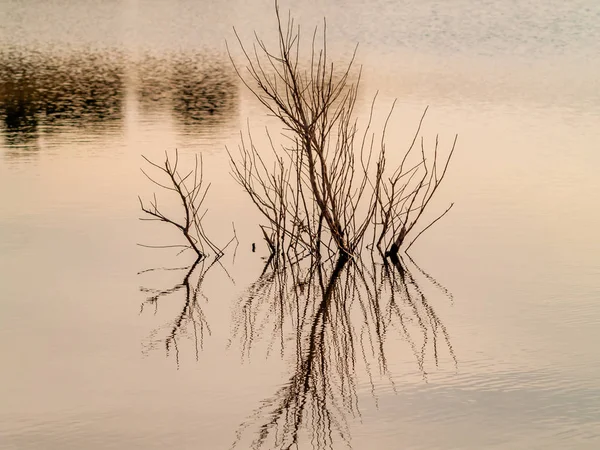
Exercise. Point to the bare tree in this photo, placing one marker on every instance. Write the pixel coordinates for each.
(321, 177)
(190, 190)
(327, 185)
(406, 193)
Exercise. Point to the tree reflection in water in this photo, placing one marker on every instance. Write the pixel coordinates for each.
(44, 92)
(199, 91)
(191, 320)
(337, 317)
(340, 315)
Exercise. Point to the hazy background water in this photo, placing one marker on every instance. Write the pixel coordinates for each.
(87, 87)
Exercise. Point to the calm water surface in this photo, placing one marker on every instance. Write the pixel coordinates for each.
(98, 353)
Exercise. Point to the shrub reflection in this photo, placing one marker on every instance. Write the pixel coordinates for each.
(340, 317)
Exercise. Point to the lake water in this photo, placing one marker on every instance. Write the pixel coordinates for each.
(88, 360)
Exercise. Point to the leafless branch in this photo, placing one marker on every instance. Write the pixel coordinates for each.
(191, 193)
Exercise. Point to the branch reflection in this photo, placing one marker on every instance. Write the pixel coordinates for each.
(190, 321)
(341, 318)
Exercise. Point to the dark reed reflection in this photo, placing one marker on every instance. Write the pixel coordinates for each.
(43, 93)
(190, 321)
(200, 92)
(340, 318)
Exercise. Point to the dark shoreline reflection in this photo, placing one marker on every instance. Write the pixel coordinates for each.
(199, 91)
(44, 93)
(339, 317)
